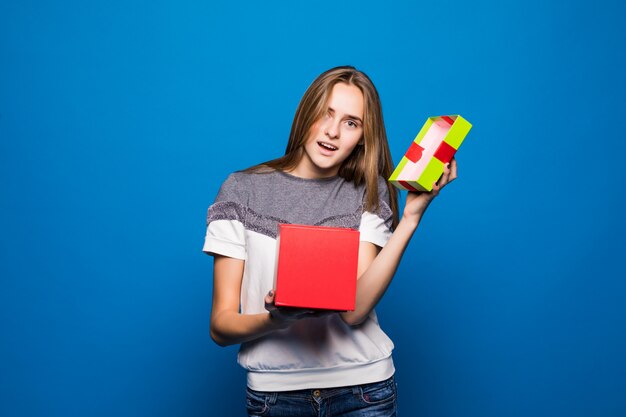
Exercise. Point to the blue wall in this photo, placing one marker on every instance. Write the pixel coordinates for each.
(119, 120)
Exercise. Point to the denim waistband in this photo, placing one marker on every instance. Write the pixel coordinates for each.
(322, 393)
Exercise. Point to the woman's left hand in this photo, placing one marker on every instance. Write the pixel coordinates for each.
(417, 202)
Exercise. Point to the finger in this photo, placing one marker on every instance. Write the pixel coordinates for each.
(443, 180)
(269, 301)
(436, 187)
(453, 169)
(446, 173)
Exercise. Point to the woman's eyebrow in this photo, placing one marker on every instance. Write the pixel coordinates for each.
(330, 109)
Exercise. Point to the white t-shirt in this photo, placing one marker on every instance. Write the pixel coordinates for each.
(313, 353)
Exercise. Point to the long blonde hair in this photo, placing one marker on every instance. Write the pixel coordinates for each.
(366, 163)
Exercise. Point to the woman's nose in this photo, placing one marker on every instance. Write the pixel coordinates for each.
(332, 129)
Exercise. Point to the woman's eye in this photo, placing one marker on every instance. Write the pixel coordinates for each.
(352, 123)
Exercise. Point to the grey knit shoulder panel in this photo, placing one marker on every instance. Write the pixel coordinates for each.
(268, 225)
(262, 201)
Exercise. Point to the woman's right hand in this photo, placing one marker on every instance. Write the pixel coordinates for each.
(284, 317)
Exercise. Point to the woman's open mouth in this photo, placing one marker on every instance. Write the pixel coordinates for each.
(326, 147)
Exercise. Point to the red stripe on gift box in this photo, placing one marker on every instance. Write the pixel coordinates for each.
(408, 186)
(448, 119)
(445, 152)
(414, 153)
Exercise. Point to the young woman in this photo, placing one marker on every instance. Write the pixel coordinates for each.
(333, 173)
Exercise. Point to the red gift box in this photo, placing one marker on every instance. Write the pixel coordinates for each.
(316, 267)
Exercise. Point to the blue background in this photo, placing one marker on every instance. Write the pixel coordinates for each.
(119, 120)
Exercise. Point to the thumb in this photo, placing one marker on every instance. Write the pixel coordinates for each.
(269, 300)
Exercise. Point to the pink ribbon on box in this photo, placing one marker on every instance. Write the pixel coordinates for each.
(414, 153)
(445, 152)
(408, 186)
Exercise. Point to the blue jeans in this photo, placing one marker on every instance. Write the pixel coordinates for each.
(371, 400)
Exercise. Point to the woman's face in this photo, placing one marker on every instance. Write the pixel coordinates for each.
(333, 137)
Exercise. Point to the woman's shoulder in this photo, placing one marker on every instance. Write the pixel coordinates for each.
(247, 176)
(237, 185)
(234, 188)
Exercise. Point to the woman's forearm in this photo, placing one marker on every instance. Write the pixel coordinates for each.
(230, 328)
(373, 283)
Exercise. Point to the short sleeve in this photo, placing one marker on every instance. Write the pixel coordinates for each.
(376, 227)
(226, 218)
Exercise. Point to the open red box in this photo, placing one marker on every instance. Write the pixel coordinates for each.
(317, 267)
